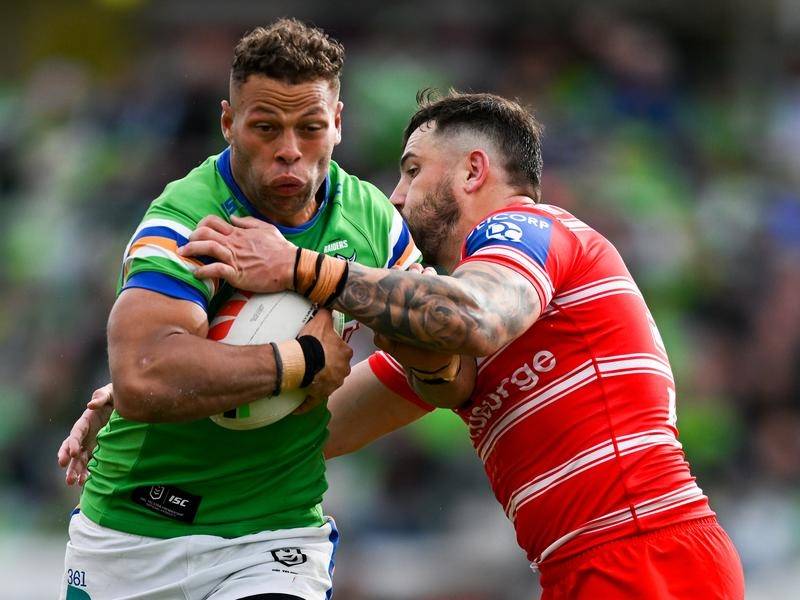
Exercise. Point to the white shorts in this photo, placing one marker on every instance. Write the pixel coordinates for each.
(105, 564)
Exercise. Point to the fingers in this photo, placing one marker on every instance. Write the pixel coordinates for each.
(318, 323)
(63, 454)
(76, 447)
(80, 429)
(101, 397)
(77, 471)
(75, 451)
(75, 459)
(323, 315)
(417, 268)
(100, 402)
(71, 478)
(223, 269)
(73, 473)
(70, 448)
(212, 248)
(250, 223)
(217, 224)
(207, 234)
(217, 270)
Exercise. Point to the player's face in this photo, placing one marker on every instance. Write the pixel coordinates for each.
(282, 136)
(424, 195)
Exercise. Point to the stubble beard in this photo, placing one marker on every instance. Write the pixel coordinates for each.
(279, 206)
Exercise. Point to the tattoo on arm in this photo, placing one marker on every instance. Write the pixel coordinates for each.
(479, 309)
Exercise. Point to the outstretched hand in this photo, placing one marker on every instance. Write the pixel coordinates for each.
(250, 254)
(76, 450)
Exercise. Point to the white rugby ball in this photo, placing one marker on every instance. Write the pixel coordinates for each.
(250, 319)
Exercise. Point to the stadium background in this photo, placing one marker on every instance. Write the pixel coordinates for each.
(673, 128)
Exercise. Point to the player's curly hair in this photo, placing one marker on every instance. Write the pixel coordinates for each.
(290, 51)
(512, 129)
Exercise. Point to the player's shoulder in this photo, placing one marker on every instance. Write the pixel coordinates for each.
(520, 220)
(513, 223)
(200, 193)
(547, 214)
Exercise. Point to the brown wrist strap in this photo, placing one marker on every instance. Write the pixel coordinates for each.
(318, 277)
(293, 362)
(305, 272)
(445, 374)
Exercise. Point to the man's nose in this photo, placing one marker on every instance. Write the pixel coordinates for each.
(398, 197)
(288, 151)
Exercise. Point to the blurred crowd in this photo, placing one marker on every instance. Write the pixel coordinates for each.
(680, 144)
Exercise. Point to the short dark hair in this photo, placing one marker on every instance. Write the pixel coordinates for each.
(289, 51)
(512, 128)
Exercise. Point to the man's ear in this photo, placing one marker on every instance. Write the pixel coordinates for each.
(477, 170)
(337, 121)
(226, 120)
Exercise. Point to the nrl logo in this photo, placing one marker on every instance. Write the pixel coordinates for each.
(351, 258)
(289, 557)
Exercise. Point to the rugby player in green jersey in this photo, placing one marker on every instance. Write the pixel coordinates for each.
(177, 506)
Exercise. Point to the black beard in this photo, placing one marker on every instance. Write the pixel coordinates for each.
(433, 222)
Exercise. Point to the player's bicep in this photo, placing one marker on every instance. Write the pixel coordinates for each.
(141, 313)
(508, 302)
(363, 410)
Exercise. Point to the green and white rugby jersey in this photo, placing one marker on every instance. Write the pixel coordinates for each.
(172, 479)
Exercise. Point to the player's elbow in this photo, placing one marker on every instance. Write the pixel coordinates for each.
(137, 395)
(486, 338)
(131, 401)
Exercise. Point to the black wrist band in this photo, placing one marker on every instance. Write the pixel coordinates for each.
(339, 286)
(278, 369)
(314, 355)
(296, 263)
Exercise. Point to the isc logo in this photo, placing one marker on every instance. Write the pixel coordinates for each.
(173, 499)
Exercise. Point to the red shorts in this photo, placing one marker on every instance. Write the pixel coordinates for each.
(688, 561)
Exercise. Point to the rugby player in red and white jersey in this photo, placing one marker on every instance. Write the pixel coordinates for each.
(570, 402)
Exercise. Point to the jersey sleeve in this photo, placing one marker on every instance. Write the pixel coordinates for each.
(152, 261)
(403, 252)
(392, 375)
(531, 242)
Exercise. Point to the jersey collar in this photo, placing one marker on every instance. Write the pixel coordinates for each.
(224, 169)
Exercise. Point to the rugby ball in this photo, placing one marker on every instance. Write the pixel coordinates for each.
(250, 319)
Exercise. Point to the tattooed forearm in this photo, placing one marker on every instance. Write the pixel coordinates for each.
(476, 311)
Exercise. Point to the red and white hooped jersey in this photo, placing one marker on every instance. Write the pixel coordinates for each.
(575, 419)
